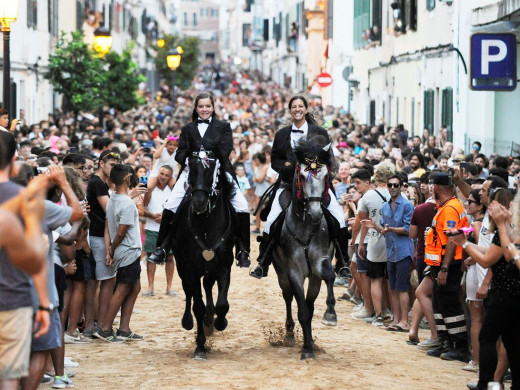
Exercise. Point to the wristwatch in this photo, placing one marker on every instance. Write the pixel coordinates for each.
(444, 269)
(515, 259)
(49, 309)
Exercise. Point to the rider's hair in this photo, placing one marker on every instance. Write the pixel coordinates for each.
(308, 116)
(203, 95)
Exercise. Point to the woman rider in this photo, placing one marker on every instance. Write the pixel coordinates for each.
(213, 135)
(283, 161)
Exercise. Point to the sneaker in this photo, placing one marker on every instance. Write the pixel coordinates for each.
(46, 379)
(428, 344)
(76, 338)
(387, 315)
(356, 300)
(378, 321)
(347, 295)
(339, 281)
(508, 378)
(424, 324)
(129, 336)
(108, 336)
(471, 366)
(371, 318)
(461, 354)
(358, 307)
(361, 314)
(88, 333)
(62, 382)
(68, 362)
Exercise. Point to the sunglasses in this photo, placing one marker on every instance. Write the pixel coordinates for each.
(394, 185)
(405, 185)
(470, 201)
(493, 191)
(111, 155)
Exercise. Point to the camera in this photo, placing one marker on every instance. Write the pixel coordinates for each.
(41, 170)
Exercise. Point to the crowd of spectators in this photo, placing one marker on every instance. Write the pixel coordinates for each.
(108, 177)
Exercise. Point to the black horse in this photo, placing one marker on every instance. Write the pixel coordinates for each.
(204, 237)
(304, 249)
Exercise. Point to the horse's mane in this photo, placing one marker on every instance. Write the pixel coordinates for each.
(313, 147)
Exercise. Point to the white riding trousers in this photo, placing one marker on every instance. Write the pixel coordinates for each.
(238, 201)
(334, 208)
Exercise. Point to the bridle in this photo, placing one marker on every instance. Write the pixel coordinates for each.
(313, 168)
(204, 158)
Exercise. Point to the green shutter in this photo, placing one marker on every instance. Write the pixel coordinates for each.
(447, 111)
(361, 21)
(429, 109)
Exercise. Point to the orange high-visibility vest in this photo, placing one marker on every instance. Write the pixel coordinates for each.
(450, 215)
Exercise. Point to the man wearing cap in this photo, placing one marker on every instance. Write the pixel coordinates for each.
(444, 259)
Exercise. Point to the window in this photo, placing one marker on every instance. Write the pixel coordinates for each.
(411, 14)
(246, 34)
(214, 12)
(185, 19)
(330, 20)
(80, 14)
(413, 116)
(194, 18)
(204, 12)
(447, 111)
(32, 14)
(367, 23)
(430, 5)
(52, 13)
(266, 29)
(429, 106)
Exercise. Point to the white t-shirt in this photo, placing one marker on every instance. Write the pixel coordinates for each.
(372, 204)
(484, 240)
(243, 183)
(156, 206)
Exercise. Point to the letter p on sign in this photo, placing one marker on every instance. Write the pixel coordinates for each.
(487, 57)
(493, 62)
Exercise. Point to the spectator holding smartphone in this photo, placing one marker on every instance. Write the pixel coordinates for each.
(165, 155)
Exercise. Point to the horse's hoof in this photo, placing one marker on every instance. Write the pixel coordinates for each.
(220, 324)
(308, 355)
(187, 322)
(289, 340)
(329, 319)
(201, 355)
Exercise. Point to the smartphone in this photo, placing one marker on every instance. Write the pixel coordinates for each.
(144, 181)
(73, 149)
(41, 170)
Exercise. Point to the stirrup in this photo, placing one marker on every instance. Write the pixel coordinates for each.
(158, 258)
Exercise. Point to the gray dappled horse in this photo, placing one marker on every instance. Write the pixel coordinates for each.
(204, 237)
(304, 249)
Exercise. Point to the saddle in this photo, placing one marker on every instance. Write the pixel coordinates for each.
(268, 197)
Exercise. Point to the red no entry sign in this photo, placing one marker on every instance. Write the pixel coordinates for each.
(324, 79)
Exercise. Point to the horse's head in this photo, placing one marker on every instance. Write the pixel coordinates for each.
(203, 179)
(312, 182)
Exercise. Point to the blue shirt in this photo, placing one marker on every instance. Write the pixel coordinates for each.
(398, 246)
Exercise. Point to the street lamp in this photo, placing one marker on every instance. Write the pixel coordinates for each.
(8, 14)
(102, 41)
(173, 59)
(102, 45)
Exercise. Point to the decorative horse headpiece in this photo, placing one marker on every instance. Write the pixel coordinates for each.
(314, 157)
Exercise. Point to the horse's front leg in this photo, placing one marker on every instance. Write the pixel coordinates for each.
(296, 282)
(327, 274)
(199, 310)
(208, 283)
(187, 318)
(222, 306)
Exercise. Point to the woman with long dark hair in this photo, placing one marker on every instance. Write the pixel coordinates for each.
(303, 126)
(205, 133)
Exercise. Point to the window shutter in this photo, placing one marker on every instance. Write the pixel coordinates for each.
(447, 111)
(411, 14)
(428, 109)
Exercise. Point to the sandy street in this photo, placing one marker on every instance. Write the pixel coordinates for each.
(352, 355)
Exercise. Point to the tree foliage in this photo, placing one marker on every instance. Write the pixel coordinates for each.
(88, 82)
(76, 74)
(189, 60)
(122, 81)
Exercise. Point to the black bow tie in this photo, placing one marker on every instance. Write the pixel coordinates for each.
(203, 121)
(297, 131)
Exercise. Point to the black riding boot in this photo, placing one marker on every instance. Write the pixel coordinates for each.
(164, 238)
(264, 258)
(343, 245)
(243, 246)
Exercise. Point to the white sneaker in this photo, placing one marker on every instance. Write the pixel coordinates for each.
(387, 315)
(361, 314)
(471, 366)
(378, 321)
(68, 362)
(76, 338)
(358, 307)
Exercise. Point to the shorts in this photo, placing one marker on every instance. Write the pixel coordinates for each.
(420, 265)
(472, 284)
(376, 270)
(60, 279)
(130, 273)
(103, 272)
(15, 342)
(85, 268)
(150, 241)
(362, 264)
(51, 339)
(399, 274)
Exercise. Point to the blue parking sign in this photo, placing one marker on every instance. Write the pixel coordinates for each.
(493, 62)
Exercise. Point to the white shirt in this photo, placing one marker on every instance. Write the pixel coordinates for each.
(203, 127)
(156, 206)
(296, 137)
